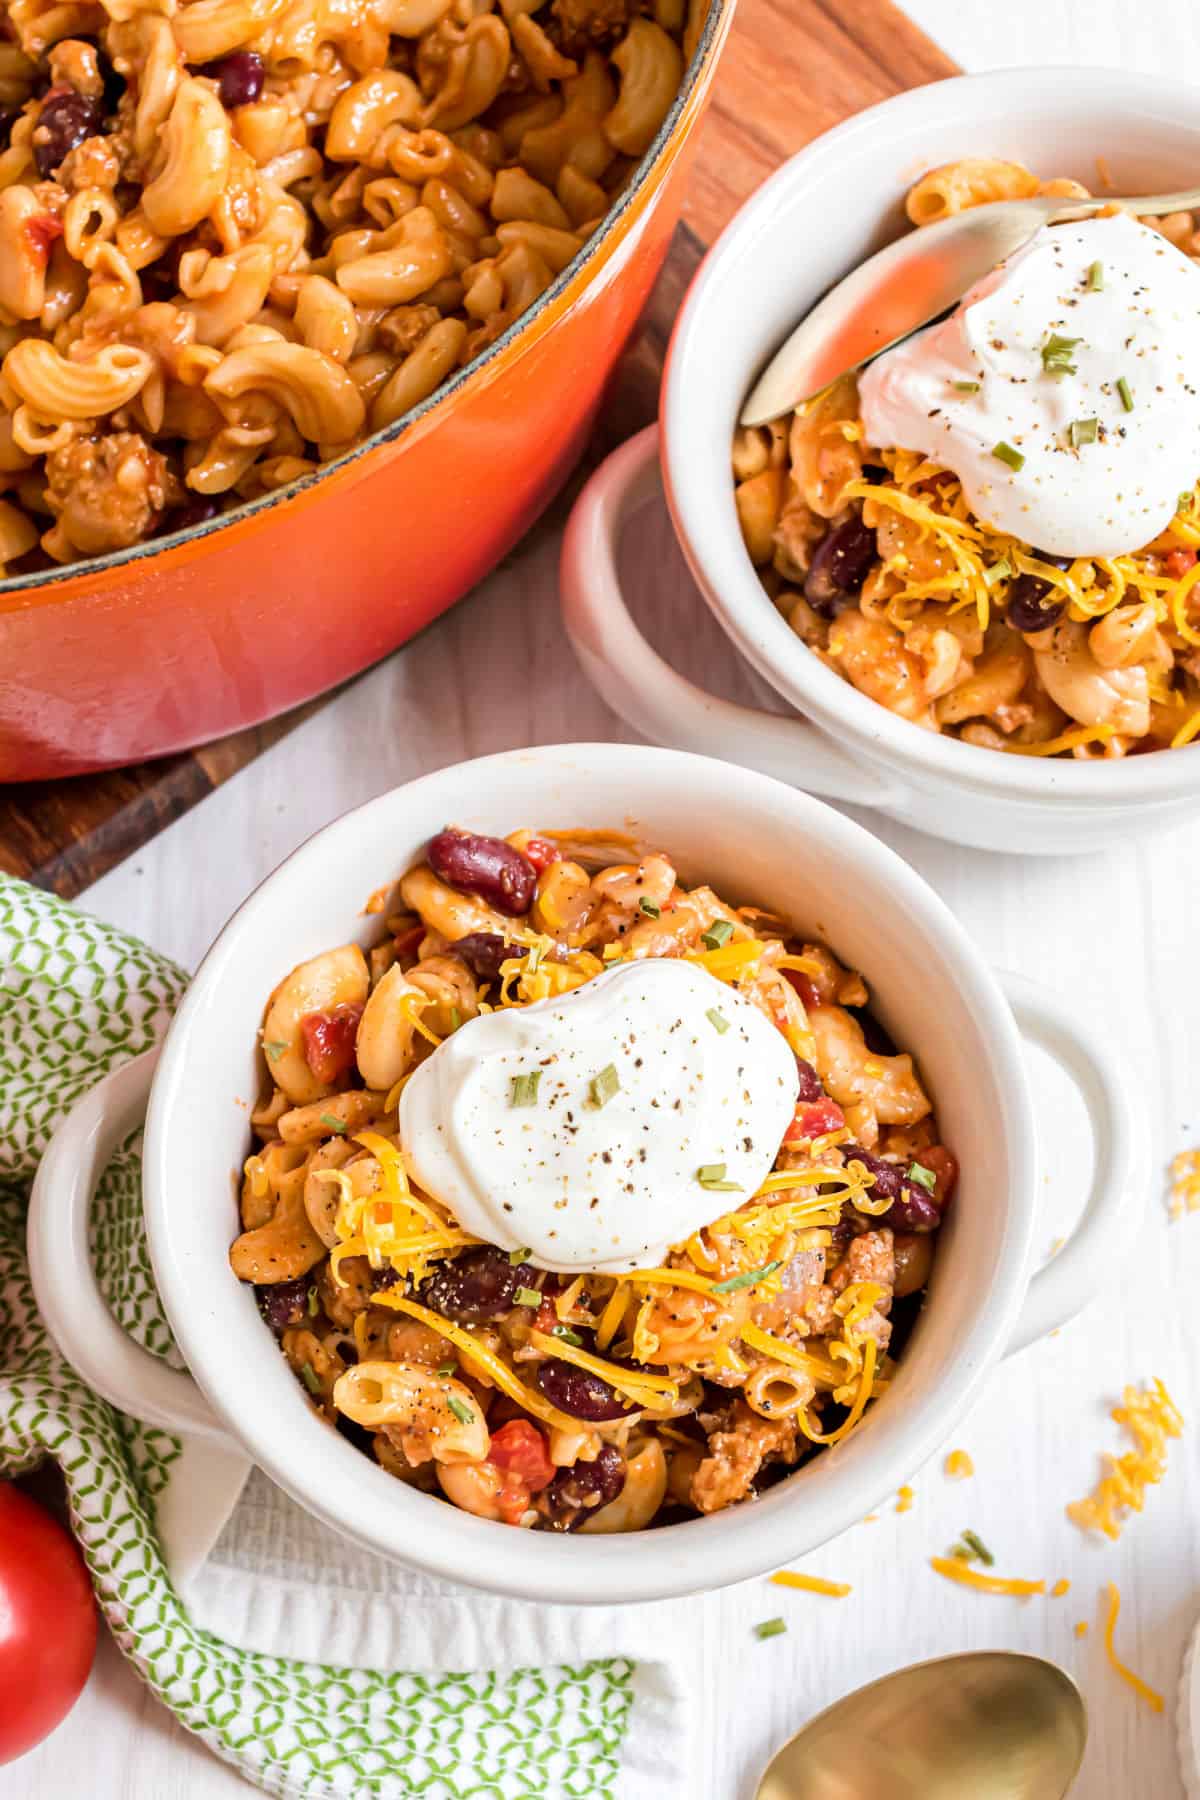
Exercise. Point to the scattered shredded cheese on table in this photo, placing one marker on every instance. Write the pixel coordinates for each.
(959, 1466)
(1151, 1418)
(954, 1570)
(904, 1500)
(1185, 1173)
(1148, 1694)
(811, 1584)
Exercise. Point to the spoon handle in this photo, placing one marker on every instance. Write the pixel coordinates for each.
(1150, 205)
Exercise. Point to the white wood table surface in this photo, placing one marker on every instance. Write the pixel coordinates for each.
(1114, 931)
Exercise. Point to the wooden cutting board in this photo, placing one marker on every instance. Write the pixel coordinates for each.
(791, 69)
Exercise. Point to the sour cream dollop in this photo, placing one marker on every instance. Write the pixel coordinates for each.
(702, 1078)
(1132, 302)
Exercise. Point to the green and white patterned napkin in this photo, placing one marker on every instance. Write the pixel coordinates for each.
(317, 1669)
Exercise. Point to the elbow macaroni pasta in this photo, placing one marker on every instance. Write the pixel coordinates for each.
(926, 634)
(238, 235)
(762, 1338)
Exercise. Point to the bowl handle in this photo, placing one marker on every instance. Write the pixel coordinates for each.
(646, 692)
(64, 1280)
(1116, 1203)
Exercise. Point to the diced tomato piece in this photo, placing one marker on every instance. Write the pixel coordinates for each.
(1178, 562)
(329, 1040)
(541, 853)
(809, 996)
(512, 1502)
(814, 1120)
(41, 232)
(547, 1317)
(408, 942)
(520, 1449)
(943, 1166)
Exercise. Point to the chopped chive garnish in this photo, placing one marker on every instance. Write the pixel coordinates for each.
(1126, 393)
(960, 1553)
(455, 1018)
(1056, 354)
(1006, 454)
(524, 1089)
(460, 1409)
(717, 1020)
(333, 1122)
(274, 1051)
(517, 1257)
(651, 911)
(918, 1172)
(736, 1282)
(313, 1303)
(1084, 431)
(566, 1334)
(1095, 277)
(965, 387)
(603, 1086)
(999, 571)
(980, 1548)
(526, 1296)
(1185, 500)
(309, 1377)
(718, 933)
(447, 1369)
(770, 1628)
(712, 1176)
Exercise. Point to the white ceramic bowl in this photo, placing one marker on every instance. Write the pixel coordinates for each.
(755, 840)
(817, 217)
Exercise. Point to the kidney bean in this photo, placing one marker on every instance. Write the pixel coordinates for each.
(476, 1286)
(66, 119)
(581, 1489)
(1028, 609)
(484, 951)
(840, 564)
(192, 512)
(239, 77)
(809, 997)
(579, 1392)
(486, 866)
(284, 1303)
(911, 1209)
(384, 1278)
(810, 1083)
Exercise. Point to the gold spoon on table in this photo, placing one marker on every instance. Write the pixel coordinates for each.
(910, 282)
(989, 1725)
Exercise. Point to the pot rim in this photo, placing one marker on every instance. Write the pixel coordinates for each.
(566, 288)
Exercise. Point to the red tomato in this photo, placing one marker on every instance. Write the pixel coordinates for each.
(520, 1450)
(541, 853)
(40, 233)
(47, 1623)
(814, 1120)
(1178, 562)
(809, 996)
(943, 1166)
(329, 1040)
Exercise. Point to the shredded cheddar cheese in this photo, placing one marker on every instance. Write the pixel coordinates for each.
(1185, 1170)
(1151, 1418)
(1059, 1589)
(904, 1500)
(1081, 1629)
(959, 1466)
(1152, 1698)
(955, 1570)
(492, 1365)
(811, 1584)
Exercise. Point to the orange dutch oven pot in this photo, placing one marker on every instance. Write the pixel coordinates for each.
(201, 633)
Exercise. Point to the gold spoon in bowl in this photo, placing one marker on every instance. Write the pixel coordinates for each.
(989, 1725)
(910, 282)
